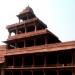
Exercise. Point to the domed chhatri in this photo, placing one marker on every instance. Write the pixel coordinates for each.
(26, 13)
(27, 9)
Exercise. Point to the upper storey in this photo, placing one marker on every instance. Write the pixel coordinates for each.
(27, 13)
(31, 32)
(27, 16)
(30, 27)
(29, 23)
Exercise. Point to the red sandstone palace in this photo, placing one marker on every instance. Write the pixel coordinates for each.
(31, 49)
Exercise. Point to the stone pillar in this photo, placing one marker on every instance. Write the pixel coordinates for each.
(2, 72)
(21, 72)
(16, 30)
(25, 29)
(27, 16)
(44, 72)
(57, 61)
(35, 28)
(12, 72)
(45, 40)
(73, 58)
(13, 61)
(57, 72)
(45, 61)
(24, 43)
(33, 61)
(32, 73)
(9, 33)
(19, 20)
(22, 61)
(15, 45)
(34, 42)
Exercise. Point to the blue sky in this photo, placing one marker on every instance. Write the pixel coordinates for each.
(59, 15)
(64, 19)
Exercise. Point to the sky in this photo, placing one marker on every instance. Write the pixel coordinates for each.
(59, 15)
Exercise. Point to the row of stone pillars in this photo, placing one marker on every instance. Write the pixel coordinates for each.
(40, 72)
(44, 41)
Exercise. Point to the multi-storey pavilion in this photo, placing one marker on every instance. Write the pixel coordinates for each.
(33, 50)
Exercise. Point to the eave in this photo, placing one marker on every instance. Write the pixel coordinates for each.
(34, 20)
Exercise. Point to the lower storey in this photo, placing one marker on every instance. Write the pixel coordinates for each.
(39, 72)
